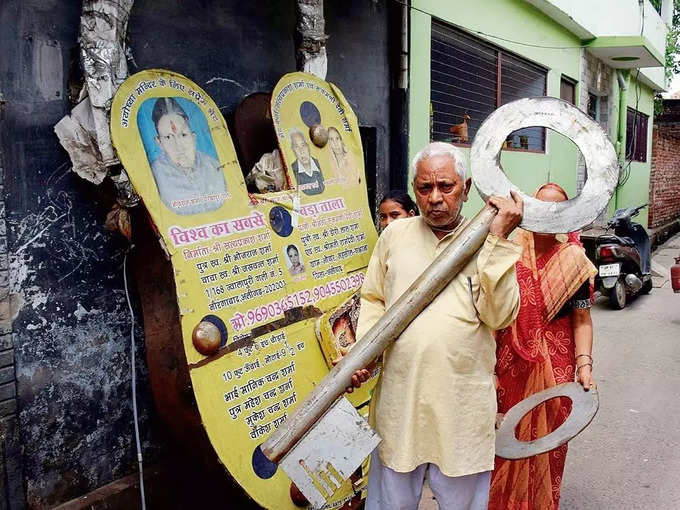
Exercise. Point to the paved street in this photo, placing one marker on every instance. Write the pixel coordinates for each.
(628, 457)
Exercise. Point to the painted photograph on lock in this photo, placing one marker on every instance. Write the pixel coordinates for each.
(342, 161)
(335, 330)
(294, 260)
(343, 331)
(306, 168)
(182, 155)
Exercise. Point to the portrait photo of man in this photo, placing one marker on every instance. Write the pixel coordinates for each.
(306, 169)
(182, 156)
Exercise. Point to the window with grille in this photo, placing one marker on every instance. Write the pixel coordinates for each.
(636, 136)
(598, 109)
(568, 90)
(593, 106)
(470, 78)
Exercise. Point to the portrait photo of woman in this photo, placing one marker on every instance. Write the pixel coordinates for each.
(294, 261)
(342, 161)
(182, 155)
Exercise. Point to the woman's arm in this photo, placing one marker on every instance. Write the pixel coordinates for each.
(583, 346)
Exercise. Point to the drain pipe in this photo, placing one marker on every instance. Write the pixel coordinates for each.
(623, 78)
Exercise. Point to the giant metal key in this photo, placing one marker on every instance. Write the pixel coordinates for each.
(324, 440)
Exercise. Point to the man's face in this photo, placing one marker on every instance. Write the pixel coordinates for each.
(440, 191)
(294, 257)
(301, 149)
(177, 140)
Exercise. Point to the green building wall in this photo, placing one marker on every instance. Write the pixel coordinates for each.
(506, 21)
(635, 191)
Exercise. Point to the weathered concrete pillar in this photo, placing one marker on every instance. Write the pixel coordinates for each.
(667, 11)
(310, 39)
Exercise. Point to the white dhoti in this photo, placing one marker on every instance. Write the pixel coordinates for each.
(391, 490)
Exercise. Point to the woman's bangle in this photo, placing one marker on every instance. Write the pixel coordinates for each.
(586, 355)
(579, 367)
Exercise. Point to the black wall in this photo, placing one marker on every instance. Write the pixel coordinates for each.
(234, 50)
(70, 321)
(69, 317)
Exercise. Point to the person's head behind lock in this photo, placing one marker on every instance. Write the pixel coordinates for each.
(550, 192)
(396, 204)
(174, 135)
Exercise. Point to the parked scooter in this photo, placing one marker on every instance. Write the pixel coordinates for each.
(623, 258)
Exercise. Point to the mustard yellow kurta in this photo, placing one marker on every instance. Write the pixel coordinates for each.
(435, 400)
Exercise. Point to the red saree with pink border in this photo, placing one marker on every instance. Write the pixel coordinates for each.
(534, 353)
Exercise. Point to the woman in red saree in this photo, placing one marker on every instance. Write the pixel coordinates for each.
(549, 343)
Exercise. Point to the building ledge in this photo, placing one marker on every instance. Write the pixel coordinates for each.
(625, 52)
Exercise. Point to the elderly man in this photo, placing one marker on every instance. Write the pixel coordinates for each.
(435, 403)
(305, 168)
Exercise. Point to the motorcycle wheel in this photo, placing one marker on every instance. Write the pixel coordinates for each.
(617, 295)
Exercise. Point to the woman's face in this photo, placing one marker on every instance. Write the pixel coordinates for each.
(335, 141)
(549, 194)
(177, 140)
(389, 211)
(294, 257)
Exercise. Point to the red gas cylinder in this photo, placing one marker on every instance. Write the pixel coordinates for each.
(675, 276)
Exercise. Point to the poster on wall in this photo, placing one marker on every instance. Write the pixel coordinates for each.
(273, 275)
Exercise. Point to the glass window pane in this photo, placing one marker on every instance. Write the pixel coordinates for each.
(568, 91)
(592, 106)
(636, 136)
